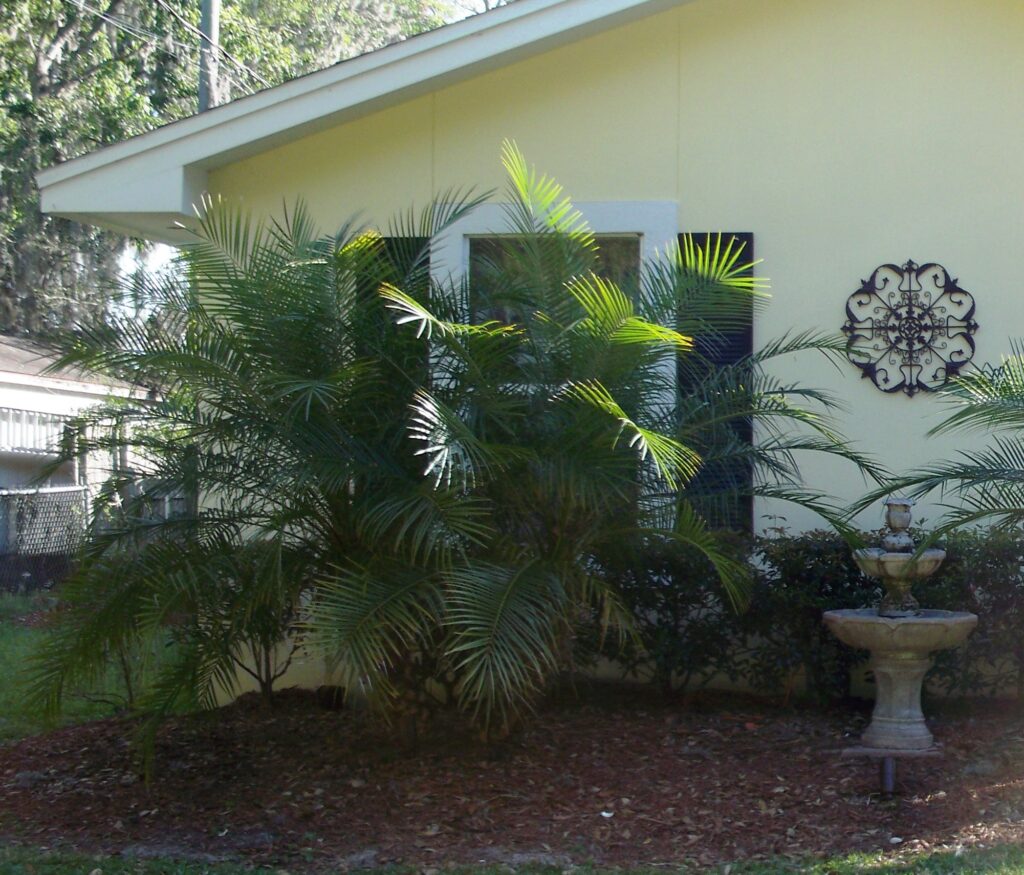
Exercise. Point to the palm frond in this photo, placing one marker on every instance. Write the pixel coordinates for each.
(539, 203)
(690, 529)
(504, 621)
(988, 399)
(368, 620)
(455, 455)
(675, 461)
(427, 324)
(425, 525)
(609, 314)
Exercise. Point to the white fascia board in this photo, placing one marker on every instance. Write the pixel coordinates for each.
(56, 385)
(163, 172)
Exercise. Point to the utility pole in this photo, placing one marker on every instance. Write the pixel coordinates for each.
(209, 24)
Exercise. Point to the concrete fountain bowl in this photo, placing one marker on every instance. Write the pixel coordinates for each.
(876, 562)
(922, 634)
(898, 570)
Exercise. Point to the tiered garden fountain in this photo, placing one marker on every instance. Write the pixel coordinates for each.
(901, 637)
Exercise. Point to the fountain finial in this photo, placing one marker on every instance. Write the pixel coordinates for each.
(897, 518)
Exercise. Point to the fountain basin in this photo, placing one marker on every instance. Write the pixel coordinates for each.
(876, 562)
(901, 649)
(923, 633)
(898, 571)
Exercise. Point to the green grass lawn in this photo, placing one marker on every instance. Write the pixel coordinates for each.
(18, 717)
(14, 606)
(19, 861)
(1000, 861)
(1008, 860)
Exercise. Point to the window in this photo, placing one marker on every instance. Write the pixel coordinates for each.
(650, 225)
(629, 233)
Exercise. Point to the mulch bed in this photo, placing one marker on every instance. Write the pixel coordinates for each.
(611, 776)
(39, 619)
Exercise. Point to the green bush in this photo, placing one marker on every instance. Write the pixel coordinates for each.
(799, 577)
(688, 633)
(686, 630)
(983, 573)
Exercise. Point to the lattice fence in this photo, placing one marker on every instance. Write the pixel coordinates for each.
(40, 533)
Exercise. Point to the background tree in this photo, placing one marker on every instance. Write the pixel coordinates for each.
(473, 6)
(76, 76)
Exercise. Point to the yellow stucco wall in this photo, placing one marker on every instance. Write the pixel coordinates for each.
(843, 134)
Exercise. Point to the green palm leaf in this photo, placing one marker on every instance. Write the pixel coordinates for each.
(675, 462)
(368, 620)
(504, 621)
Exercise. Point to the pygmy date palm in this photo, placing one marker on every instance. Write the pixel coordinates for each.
(270, 412)
(554, 406)
(418, 476)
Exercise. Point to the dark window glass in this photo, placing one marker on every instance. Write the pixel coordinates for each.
(618, 260)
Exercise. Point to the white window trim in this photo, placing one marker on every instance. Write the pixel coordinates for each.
(655, 222)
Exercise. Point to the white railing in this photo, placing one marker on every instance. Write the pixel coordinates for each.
(30, 431)
(41, 530)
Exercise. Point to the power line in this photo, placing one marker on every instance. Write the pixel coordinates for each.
(141, 33)
(189, 26)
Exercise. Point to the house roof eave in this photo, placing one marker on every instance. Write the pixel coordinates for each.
(135, 186)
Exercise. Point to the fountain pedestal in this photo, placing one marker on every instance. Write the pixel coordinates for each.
(897, 722)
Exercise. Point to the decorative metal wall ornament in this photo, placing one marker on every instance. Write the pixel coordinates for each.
(910, 328)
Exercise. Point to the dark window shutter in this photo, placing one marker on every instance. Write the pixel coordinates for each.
(722, 488)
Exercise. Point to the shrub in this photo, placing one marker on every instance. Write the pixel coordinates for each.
(687, 633)
(983, 573)
(800, 577)
(686, 629)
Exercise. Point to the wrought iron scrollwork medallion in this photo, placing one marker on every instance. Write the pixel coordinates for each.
(910, 328)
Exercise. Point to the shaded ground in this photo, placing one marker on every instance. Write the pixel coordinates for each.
(616, 779)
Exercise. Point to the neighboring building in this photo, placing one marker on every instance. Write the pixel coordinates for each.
(842, 135)
(36, 407)
(43, 509)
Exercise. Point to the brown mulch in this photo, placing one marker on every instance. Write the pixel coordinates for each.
(610, 777)
(43, 614)
(39, 619)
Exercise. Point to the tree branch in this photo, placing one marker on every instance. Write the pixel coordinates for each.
(77, 79)
(60, 39)
(45, 58)
(113, 7)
